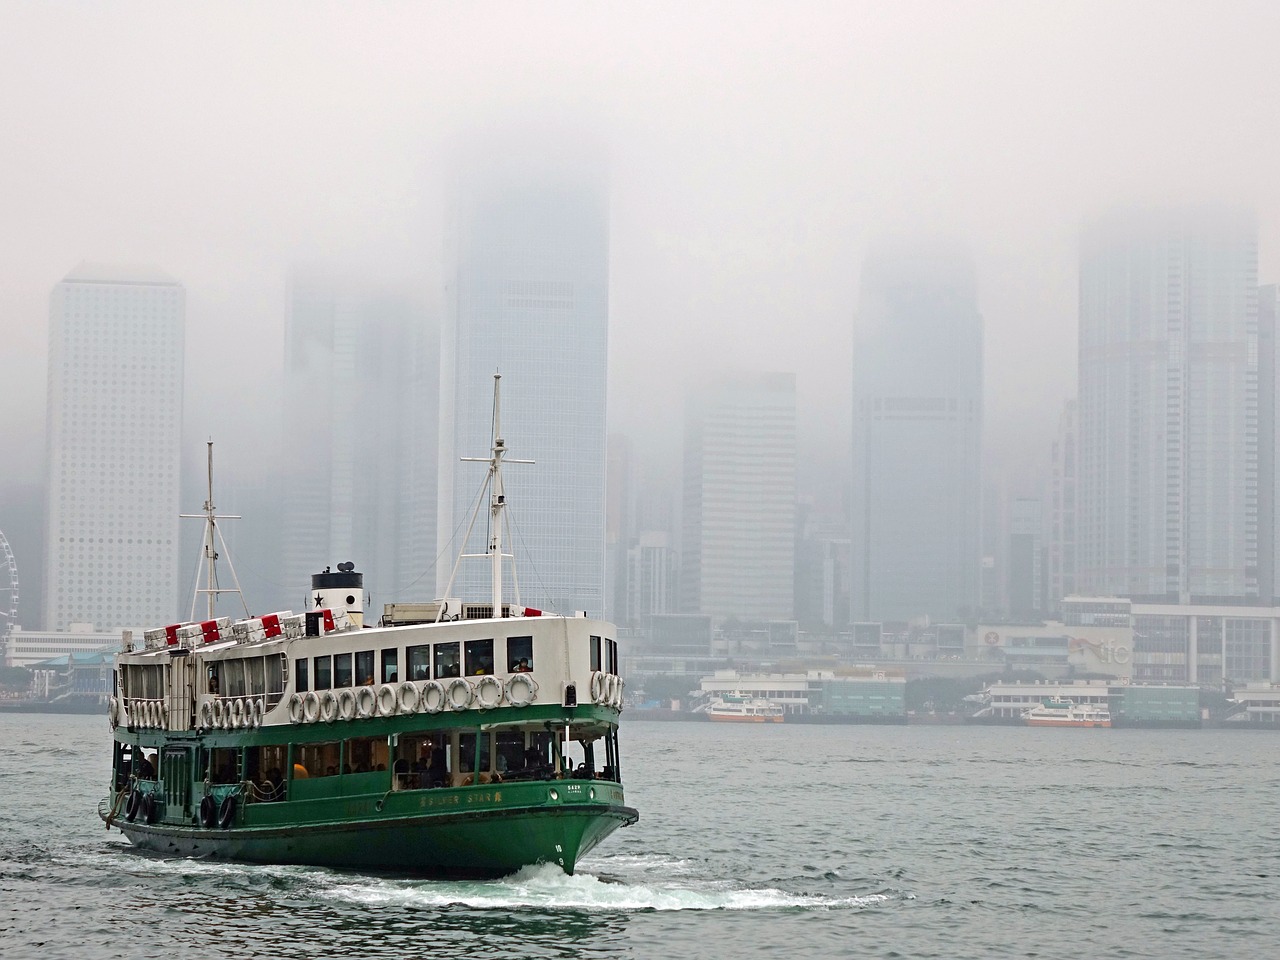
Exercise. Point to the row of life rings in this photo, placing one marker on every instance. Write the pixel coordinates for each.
(606, 689)
(144, 714)
(405, 698)
(232, 714)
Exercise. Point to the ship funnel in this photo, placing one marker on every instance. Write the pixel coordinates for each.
(343, 590)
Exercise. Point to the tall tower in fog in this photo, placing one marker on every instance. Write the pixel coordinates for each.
(739, 518)
(917, 432)
(1168, 481)
(360, 410)
(528, 297)
(114, 435)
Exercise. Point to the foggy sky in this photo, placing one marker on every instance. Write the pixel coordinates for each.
(754, 149)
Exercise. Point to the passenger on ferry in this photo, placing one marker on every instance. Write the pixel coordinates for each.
(146, 767)
(523, 666)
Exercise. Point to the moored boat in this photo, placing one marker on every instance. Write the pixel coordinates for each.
(1061, 712)
(452, 739)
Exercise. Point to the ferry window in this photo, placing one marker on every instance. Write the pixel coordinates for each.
(256, 681)
(324, 672)
(213, 682)
(264, 768)
(275, 673)
(224, 765)
(390, 662)
(510, 751)
(316, 759)
(613, 655)
(519, 654)
(595, 654)
(364, 667)
(479, 657)
(419, 662)
(467, 752)
(342, 669)
(232, 678)
(446, 660)
(365, 755)
(300, 676)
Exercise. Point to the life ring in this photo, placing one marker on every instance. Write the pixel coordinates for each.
(162, 716)
(133, 805)
(489, 692)
(388, 701)
(433, 698)
(460, 694)
(237, 714)
(597, 687)
(311, 707)
(409, 697)
(347, 704)
(259, 711)
(227, 812)
(218, 712)
(208, 811)
(522, 690)
(155, 713)
(150, 813)
(295, 708)
(112, 706)
(617, 697)
(206, 714)
(329, 707)
(366, 702)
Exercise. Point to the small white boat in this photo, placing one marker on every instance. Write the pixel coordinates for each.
(1062, 712)
(740, 708)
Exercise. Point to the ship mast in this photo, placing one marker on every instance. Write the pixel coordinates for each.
(209, 552)
(497, 506)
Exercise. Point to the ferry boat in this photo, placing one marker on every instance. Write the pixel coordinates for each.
(1063, 712)
(452, 739)
(740, 708)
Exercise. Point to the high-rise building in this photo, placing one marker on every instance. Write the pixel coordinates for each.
(1168, 401)
(114, 436)
(528, 298)
(1025, 576)
(739, 520)
(1060, 511)
(917, 431)
(1268, 422)
(360, 409)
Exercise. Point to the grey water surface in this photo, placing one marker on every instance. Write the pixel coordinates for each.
(770, 841)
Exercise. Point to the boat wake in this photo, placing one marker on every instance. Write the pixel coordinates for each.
(545, 886)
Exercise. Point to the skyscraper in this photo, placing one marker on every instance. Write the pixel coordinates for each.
(114, 435)
(917, 431)
(1060, 523)
(528, 297)
(360, 409)
(1168, 481)
(739, 521)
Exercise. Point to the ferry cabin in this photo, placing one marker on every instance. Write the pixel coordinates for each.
(344, 713)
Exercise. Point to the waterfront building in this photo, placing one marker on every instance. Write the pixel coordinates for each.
(917, 435)
(113, 448)
(852, 695)
(1202, 643)
(1168, 404)
(26, 648)
(739, 520)
(528, 297)
(1129, 705)
(361, 373)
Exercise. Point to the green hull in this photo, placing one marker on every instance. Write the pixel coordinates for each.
(475, 832)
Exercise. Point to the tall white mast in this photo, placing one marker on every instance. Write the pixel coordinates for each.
(209, 553)
(497, 504)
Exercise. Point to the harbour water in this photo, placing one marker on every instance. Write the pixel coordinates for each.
(760, 841)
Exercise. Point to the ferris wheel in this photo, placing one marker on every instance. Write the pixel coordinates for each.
(8, 589)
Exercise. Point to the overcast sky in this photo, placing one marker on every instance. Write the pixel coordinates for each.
(755, 148)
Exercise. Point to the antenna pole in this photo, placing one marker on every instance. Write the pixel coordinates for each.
(497, 500)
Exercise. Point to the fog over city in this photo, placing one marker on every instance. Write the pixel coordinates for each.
(753, 151)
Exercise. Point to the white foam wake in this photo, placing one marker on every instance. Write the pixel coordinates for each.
(547, 887)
